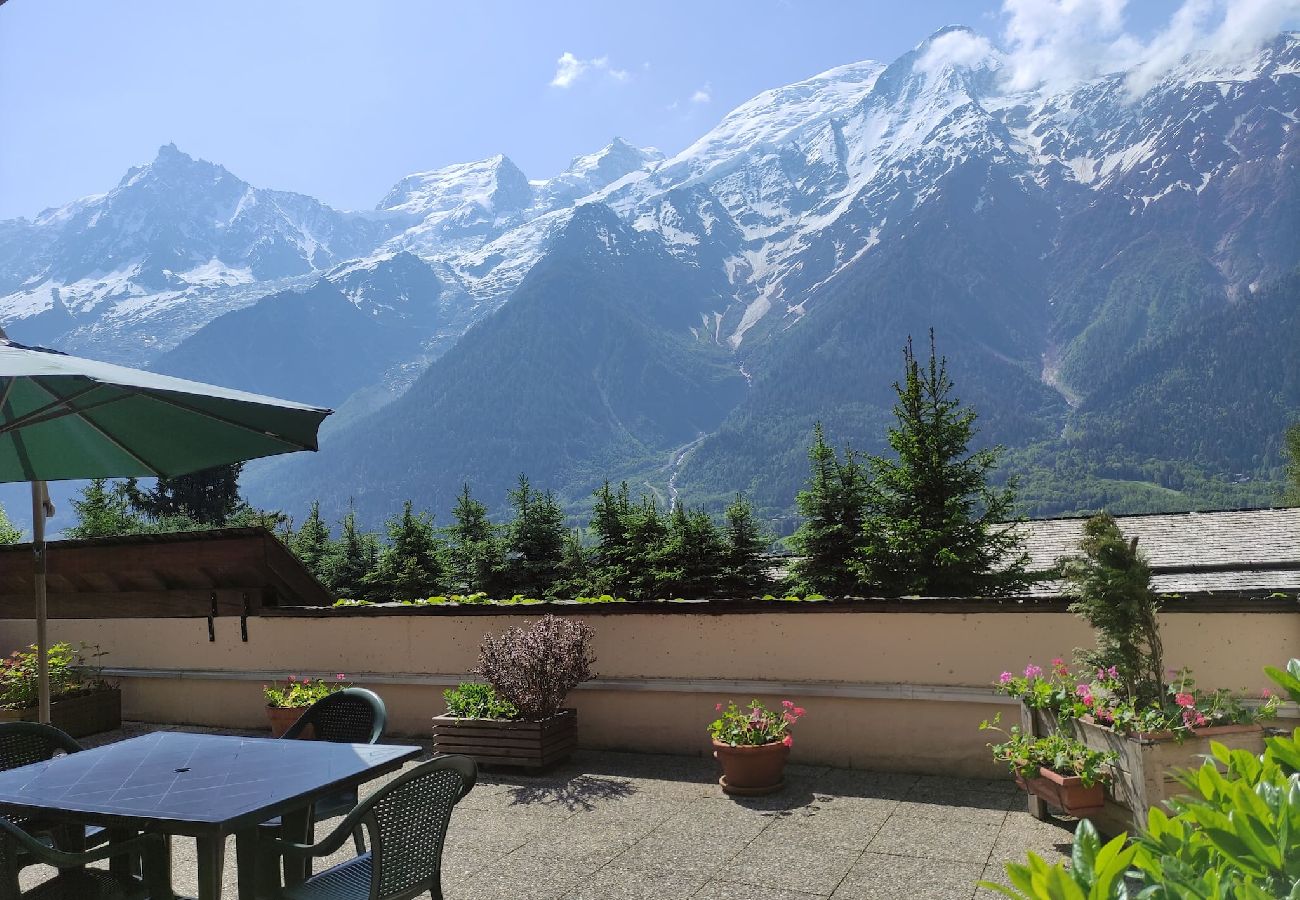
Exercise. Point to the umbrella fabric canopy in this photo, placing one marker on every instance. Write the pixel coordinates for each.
(62, 417)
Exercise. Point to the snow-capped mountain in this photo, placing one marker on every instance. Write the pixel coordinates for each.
(1061, 234)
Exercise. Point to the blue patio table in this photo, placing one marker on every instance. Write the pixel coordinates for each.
(206, 786)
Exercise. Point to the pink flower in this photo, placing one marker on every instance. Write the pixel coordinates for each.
(1265, 694)
(340, 676)
(1113, 672)
(1005, 678)
(1185, 700)
(756, 716)
(787, 704)
(718, 708)
(787, 740)
(798, 710)
(1082, 690)
(293, 677)
(790, 718)
(1032, 671)
(1088, 701)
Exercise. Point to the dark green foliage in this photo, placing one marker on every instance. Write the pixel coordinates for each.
(312, 544)
(209, 497)
(104, 511)
(355, 556)
(691, 558)
(834, 507)
(534, 540)
(1110, 584)
(409, 566)
(744, 564)
(475, 552)
(1293, 464)
(574, 572)
(934, 526)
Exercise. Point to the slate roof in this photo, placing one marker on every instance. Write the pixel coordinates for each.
(1252, 550)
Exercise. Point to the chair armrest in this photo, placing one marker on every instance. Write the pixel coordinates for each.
(65, 859)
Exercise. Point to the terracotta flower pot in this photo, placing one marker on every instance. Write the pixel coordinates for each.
(1065, 792)
(283, 717)
(751, 771)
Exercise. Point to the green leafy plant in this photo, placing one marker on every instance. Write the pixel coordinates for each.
(475, 700)
(1234, 835)
(73, 670)
(1096, 871)
(1025, 754)
(302, 692)
(755, 725)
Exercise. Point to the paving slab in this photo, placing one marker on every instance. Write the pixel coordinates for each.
(624, 825)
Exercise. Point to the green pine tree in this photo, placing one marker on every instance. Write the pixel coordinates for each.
(476, 554)
(534, 540)
(744, 556)
(1110, 587)
(9, 534)
(104, 511)
(353, 562)
(1293, 464)
(690, 561)
(935, 526)
(209, 497)
(833, 507)
(629, 541)
(312, 544)
(410, 566)
(573, 578)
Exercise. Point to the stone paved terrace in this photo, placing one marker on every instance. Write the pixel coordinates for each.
(626, 825)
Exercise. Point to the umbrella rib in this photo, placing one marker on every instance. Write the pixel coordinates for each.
(38, 414)
(9, 386)
(104, 433)
(233, 423)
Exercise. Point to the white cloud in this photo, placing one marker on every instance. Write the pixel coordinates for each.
(955, 48)
(569, 68)
(1057, 42)
(703, 95)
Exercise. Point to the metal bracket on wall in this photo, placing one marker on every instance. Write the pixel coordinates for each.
(243, 619)
(212, 615)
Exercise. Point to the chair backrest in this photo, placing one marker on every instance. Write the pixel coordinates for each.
(24, 743)
(349, 716)
(407, 821)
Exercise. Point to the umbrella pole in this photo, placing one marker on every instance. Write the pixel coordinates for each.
(39, 503)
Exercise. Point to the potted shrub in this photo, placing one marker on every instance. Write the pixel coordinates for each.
(517, 718)
(1060, 769)
(285, 703)
(81, 701)
(752, 745)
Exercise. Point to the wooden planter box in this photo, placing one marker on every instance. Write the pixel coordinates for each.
(1066, 792)
(507, 743)
(79, 716)
(1143, 775)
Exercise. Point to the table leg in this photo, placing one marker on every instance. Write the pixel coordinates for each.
(212, 859)
(296, 827)
(252, 881)
(123, 864)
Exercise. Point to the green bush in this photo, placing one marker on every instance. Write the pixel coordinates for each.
(473, 700)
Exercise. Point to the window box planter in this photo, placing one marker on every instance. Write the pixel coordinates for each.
(79, 714)
(1065, 792)
(751, 771)
(1143, 774)
(506, 742)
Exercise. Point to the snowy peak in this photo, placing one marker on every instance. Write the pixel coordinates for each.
(495, 186)
(592, 172)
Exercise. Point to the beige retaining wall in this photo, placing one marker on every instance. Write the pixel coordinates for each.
(885, 690)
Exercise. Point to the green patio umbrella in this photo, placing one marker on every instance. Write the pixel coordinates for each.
(62, 417)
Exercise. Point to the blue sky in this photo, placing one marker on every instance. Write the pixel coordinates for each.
(340, 99)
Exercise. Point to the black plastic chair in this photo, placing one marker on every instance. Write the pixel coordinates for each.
(74, 881)
(349, 716)
(407, 823)
(24, 743)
